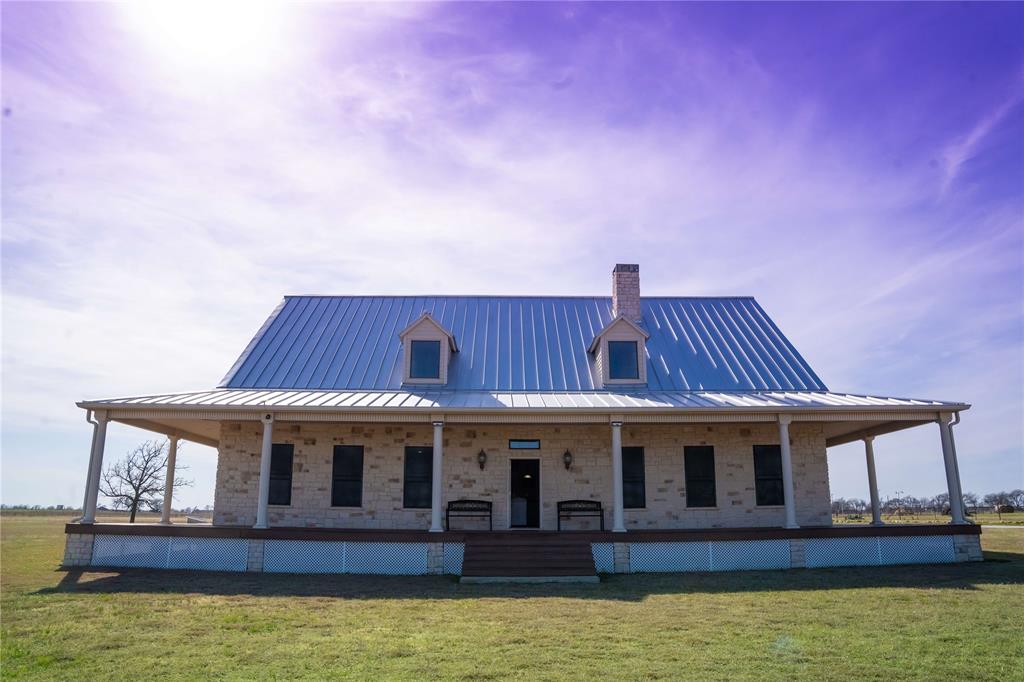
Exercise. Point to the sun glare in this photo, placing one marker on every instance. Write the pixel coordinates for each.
(224, 34)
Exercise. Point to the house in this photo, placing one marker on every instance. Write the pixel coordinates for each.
(540, 437)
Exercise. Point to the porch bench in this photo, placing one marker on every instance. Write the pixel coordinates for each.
(568, 509)
(469, 509)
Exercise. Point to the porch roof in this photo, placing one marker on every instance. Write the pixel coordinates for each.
(194, 415)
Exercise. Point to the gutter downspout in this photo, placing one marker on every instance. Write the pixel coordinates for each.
(956, 460)
(92, 458)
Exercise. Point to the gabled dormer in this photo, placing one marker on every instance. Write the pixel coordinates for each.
(426, 348)
(620, 353)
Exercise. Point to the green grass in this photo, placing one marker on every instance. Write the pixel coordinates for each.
(913, 622)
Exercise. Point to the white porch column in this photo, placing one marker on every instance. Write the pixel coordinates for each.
(92, 486)
(435, 478)
(869, 455)
(787, 470)
(618, 518)
(265, 450)
(92, 458)
(956, 499)
(172, 454)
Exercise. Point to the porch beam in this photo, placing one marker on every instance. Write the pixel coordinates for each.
(956, 500)
(172, 455)
(787, 470)
(435, 479)
(869, 456)
(92, 485)
(265, 452)
(618, 517)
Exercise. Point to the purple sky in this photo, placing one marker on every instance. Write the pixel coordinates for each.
(170, 172)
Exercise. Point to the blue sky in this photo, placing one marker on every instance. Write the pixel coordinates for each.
(170, 171)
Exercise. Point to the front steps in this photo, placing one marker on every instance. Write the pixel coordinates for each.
(527, 557)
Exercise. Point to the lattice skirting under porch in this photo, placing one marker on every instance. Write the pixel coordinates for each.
(421, 558)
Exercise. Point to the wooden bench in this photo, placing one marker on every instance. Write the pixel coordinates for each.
(469, 509)
(569, 509)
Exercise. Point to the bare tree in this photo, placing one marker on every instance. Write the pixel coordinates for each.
(140, 479)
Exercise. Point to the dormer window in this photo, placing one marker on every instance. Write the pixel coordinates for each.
(425, 360)
(620, 354)
(622, 360)
(427, 347)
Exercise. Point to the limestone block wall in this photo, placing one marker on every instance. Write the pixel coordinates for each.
(589, 477)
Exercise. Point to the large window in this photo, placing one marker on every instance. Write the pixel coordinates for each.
(699, 465)
(419, 467)
(633, 496)
(347, 476)
(768, 475)
(425, 360)
(622, 360)
(281, 456)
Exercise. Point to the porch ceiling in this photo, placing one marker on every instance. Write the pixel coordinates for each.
(195, 416)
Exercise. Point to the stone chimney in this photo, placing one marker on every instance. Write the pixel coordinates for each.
(626, 291)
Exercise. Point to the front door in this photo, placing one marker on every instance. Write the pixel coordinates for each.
(525, 493)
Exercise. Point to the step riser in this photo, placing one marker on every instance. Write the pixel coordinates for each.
(527, 557)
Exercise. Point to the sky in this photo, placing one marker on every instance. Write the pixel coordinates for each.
(170, 171)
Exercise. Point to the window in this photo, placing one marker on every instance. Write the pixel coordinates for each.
(347, 476)
(520, 444)
(425, 360)
(633, 478)
(419, 467)
(699, 467)
(281, 456)
(622, 360)
(768, 475)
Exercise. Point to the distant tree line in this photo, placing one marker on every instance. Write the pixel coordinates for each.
(1001, 502)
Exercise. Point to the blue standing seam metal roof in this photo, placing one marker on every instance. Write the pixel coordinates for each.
(518, 344)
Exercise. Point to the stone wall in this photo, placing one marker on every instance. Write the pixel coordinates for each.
(589, 478)
(77, 550)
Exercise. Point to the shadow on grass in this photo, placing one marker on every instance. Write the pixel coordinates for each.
(999, 568)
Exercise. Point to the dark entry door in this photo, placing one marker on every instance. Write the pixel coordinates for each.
(525, 493)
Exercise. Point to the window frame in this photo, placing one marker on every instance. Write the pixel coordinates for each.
(691, 480)
(277, 452)
(340, 449)
(633, 479)
(412, 360)
(524, 444)
(428, 479)
(618, 343)
(760, 478)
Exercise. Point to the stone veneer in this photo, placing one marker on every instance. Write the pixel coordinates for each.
(589, 478)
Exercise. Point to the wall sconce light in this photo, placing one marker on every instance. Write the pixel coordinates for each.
(567, 458)
(482, 458)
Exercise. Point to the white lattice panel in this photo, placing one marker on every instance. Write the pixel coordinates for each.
(208, 554)
(749, 555)
(826, 552)
(453, 552)
(604, 556)
(130, 551)
(303, 556)
(386, 558)
(669, 557)
(925, 549)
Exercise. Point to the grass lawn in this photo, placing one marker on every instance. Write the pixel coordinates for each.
(982, 518)
(912, 622)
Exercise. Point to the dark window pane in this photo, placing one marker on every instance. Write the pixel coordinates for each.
(699, 468)
(622, 360)
(281, 456)
(347, 479)
(416, 489)
(520, 444)
(633, 495)
(425, 362)
(768, 475)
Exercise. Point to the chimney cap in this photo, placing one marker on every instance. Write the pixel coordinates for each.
(626, 267)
